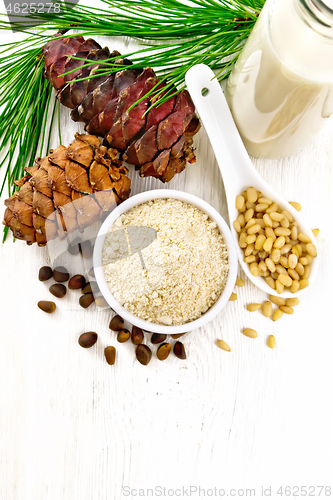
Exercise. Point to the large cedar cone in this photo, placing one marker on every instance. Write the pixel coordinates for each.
(159, 143)
(68, 189)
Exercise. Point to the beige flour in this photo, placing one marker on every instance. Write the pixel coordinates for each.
(186, 266)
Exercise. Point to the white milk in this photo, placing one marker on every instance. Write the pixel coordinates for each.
(280, 91)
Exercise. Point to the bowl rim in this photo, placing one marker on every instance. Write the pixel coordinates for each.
(139, 199)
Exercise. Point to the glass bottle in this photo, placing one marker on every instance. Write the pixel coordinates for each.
(281, 89)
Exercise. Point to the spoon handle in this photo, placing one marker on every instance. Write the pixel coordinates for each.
(234, 162)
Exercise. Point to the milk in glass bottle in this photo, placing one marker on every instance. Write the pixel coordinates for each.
(281, 89)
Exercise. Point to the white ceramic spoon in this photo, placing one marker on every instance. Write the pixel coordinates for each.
(237, 170)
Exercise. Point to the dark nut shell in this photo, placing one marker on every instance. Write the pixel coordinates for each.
(76, 282)
(137, 335)
(117, 323)
(45, 273)
(90, 287)
(179, 350)
(74, 247)
(163, 351)
(86, 300)
(60, 274)
(157, 338)
(87, 249)
(110, 354)
(101, 302)
(47, 306)
(143, 354)
(88, 339)
(123, 335)
(177, 335)
(58, 290)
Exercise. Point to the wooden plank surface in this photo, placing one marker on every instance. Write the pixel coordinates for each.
(74, 428)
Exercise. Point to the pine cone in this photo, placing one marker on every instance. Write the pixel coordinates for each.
(67, 190)
(159, 143)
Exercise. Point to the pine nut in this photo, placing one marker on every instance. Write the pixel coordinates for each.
(251, 238)
(311, 249)
(278, 301)
(249, 205)
(285, 223)
(253, 307)
(285, 249)
(267, 220)
(295, 286)
(279, 287)
(293, 301)
(265, 200)
(254, 229)
(285, 280)
(270, 233)
(249, 332)
(294, 233)
(296, 205)
(277, 314)
(299, 269)
(250, 222)
(242, 240)
(275, 216)
(237, 226)
(282, 231)
(270, 282)
(275, 255)
(309, 258)
(303, 261)
(252, 195)
(307, 272)
(271, 342)
(292, 261)
(288, 215)
(275, 224)
(273, 208)
(261, 207)
(270, 265)
(240, 203)
(262, 254)
(267, 309)
(260, 222)
(249, 214)
(241, 220)
(233, 296)
(262, 267)
(240, 281)
(223, 345)
(267, 246)
(279, 242)
(293, 274)
(283, 261)
(304, 238)
(249, 249)
(261, 238)
(249, 259)
(281, 270)
(264, 274)
(299, 249)
(287, 309)
(254, 269)
(315, 232)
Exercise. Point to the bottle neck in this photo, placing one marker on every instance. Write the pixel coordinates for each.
(317, 14)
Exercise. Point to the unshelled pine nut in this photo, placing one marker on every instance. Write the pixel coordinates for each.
(249, 332)
(267, 309)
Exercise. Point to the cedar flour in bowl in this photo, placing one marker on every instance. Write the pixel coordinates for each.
(165, 262)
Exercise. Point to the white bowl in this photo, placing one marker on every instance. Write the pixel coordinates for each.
(225, 231)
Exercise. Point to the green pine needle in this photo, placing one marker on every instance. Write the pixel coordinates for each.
(173, 36)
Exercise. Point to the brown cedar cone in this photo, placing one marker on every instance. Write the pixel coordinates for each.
(159, 143)
(68, 189)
